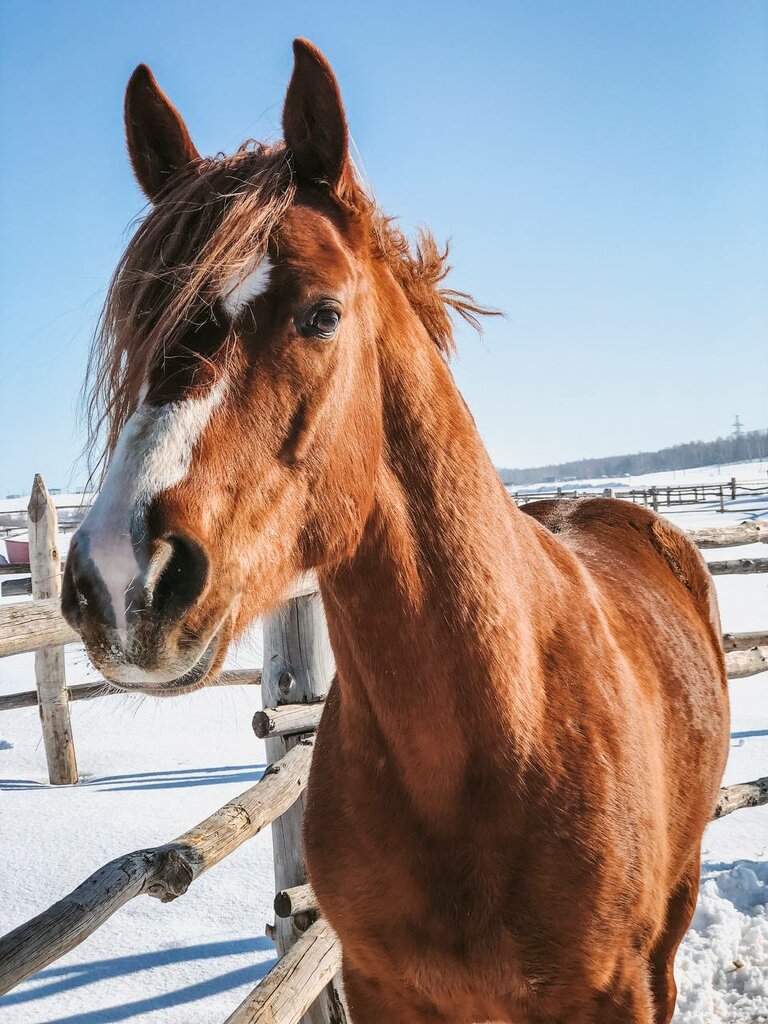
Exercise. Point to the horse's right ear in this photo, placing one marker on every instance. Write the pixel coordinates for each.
(158, 140)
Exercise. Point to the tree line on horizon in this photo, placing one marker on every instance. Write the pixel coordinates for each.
(752, 444)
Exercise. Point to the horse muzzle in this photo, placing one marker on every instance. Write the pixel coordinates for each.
(139, 611)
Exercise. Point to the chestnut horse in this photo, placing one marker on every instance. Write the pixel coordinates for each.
(529, 725)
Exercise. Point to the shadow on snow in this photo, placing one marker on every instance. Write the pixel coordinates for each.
(54, 980)
(173, 778)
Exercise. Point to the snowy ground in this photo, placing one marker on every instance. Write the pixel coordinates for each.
(151, 768)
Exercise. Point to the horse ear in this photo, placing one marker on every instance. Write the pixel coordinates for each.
(158, 140)
(314, 124)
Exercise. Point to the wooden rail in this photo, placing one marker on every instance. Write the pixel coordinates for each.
(286, 720)
(744, 641)
(32, 625)
(299, 899)
(729, 536)
(740, 664)
(164, 872)
(738, 566)
(743, 794)
(293, 985)
(87, 691)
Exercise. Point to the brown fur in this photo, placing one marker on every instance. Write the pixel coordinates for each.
(526, 737)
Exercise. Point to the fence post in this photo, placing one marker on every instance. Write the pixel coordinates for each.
(655, 499)
(52, 699)
(298, 667)
(733, 488)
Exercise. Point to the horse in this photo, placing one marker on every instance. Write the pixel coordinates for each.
(526, 734)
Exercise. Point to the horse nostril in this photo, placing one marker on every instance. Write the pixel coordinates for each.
(70, 605)
(182, 578)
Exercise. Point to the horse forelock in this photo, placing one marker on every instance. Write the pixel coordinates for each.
(205, 241)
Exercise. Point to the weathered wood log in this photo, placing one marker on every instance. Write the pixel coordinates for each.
(238, 677)
(28, 698)
(164, 872)
(287, 720)
(291, 988)
(738, 566)
(87, 691)
(743, 794)
(731, 536)
(298, 668)
(744, 641)
(31, 625)
(740, 664)
(50, 674)
(299, 899)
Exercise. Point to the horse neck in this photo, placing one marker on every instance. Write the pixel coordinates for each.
(428, 618)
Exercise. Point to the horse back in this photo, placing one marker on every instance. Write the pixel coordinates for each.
(616, 541)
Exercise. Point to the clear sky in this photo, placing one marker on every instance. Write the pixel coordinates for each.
(601, 167)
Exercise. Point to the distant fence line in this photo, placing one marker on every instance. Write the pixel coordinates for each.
(295, 677)
(672, 496)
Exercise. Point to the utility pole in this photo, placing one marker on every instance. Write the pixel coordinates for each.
(738, 439)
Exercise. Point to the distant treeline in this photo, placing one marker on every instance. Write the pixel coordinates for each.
(750, 445)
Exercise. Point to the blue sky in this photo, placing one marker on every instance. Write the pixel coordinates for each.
(601, 167)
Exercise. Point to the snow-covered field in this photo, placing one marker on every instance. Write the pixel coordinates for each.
(151, 768)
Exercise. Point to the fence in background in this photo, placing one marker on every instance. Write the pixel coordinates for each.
(677, 497)
(295, 677)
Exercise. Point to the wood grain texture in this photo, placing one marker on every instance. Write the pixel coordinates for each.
(738, 566)
(30, 625)
(743, 794)
(739, 664)
(299, 899)
(50, 674)
(729, 536)
(292, 986)
(744, 641)
(286, 720)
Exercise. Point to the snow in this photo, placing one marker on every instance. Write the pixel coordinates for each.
(151, 768)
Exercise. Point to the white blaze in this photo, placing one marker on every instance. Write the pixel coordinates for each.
(153, 453)
(242, 288)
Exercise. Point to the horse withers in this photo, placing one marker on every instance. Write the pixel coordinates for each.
(526, 736)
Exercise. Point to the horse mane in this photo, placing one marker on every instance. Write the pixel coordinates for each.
(209, 224)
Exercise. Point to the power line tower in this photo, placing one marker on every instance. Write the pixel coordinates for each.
(738, 428)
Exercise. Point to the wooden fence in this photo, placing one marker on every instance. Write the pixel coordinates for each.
(296, 673)
(675, 497)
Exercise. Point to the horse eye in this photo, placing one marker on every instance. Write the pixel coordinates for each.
(321, 322)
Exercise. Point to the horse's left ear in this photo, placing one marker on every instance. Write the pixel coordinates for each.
(158, 140)
(314, 124)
